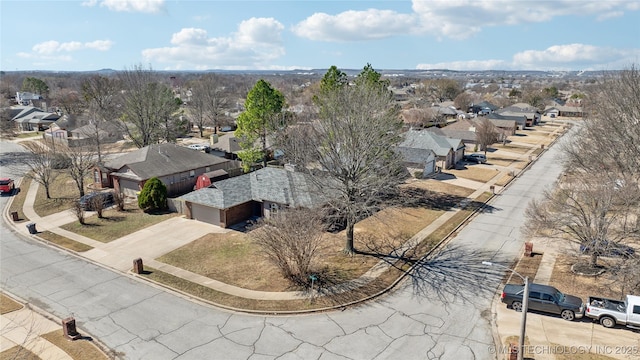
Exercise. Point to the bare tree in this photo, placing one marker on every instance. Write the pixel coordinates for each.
(587, 210)
(148, 107)
(70, 101)
(486, 134)
(99, 94)
(350, 150)
(463, 101)
(208, 102)
(78, 211)
(39, 162)
(291, 240)
(81, 162)
(607, 142)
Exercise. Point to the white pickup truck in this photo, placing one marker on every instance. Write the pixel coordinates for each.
(610, 312)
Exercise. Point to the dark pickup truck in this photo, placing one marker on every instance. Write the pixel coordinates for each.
(544, 298)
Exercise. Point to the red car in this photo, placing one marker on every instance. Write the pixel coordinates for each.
(6, 186)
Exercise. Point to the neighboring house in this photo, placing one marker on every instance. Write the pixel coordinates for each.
(228, 202)
(108, 133)
(468, 136)
(415, 160)
(29, 118)
(448, 151)
(225, 146)
(565, 111)
(176, 166)
(26, 98)
(520, 120)
(531, 114)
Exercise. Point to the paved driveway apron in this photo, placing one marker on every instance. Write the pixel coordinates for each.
(440, 313)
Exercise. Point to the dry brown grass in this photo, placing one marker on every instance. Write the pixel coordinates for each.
(81, 349)
(476, 173)
(8, 305)
(514, 148)
(63, 193)
(441, 187)
(64, 242)
(18, 200)
(234, 259)
(116, 224)
(18, 353)
(503, 160)
(583, 286)
(504, 180)
(527, 266)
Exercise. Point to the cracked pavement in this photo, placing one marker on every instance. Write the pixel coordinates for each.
(439, 312)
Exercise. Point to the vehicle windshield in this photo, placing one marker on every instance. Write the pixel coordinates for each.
(4, 182)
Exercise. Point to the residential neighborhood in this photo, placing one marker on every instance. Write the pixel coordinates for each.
(401, 205)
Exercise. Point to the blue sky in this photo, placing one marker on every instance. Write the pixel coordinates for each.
(304, 34)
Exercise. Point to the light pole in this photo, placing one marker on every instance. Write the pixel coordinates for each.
(525, 306)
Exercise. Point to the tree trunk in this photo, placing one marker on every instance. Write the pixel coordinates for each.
(593, 261)
(46, 189)
(349, 249)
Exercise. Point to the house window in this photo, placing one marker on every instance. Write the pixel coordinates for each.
(96, 176)
(274, 207)
(192, 173)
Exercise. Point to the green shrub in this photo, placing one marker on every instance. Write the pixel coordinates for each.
(153, 196)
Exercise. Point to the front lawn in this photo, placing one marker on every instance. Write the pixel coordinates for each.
(472, 172)
(63, 193)
(116, 224)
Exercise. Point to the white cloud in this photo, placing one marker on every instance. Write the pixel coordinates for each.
(557, 57)
(572, 56)
(145, 6)
(355, 25)
(52, 46)
(89, 3)
(455, 19)
(256, 43)
(467, 65)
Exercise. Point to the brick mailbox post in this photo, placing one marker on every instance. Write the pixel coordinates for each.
(138, 267)
(69, 329)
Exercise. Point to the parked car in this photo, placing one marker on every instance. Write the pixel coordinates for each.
(477, 158)
(88, 201)
(607, 248)
(7, 186)
(544, 298)
(199, 147)
(610, 312)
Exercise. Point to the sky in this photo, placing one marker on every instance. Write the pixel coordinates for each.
(470, 35)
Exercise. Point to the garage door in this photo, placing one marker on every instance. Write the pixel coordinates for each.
(205, 214)
(129, 187)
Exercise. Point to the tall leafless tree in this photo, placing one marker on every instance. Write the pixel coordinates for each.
(585, 209)
(148, 107)
(99, 94)
(81, 162)
(207, 102)
(486, 134)
(39, 161)
(350, 150)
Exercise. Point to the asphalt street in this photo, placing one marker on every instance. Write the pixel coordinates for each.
(442, 311)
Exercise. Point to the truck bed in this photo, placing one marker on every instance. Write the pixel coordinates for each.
(608, 304)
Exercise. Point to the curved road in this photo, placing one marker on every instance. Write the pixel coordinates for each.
(441, 312)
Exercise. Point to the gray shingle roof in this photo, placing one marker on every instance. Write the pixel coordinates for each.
(163, 159)
(413, 155)
(268, 184)
(427, 140)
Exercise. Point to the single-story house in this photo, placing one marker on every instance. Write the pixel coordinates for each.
(415, 160)
(225, 146)
(231, 201)
(531, 114)
(520, 120)
(29, 118)
(108, 133)
(448, 151)
(176, 166)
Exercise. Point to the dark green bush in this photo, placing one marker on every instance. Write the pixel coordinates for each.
(153, 196)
